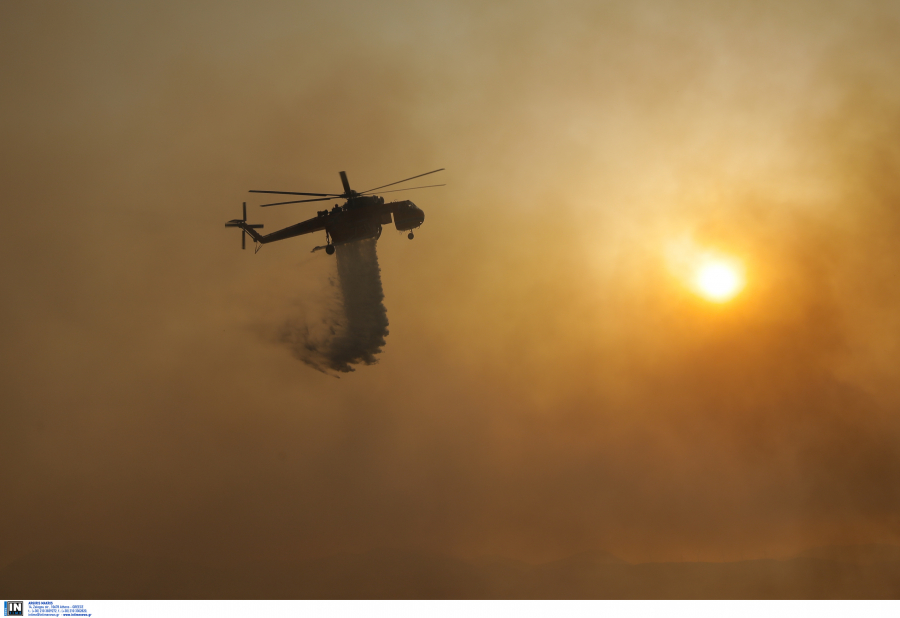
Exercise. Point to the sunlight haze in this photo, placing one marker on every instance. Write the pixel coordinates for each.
(653, 312)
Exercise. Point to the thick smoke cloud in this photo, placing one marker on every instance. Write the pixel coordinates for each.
(566, 391)
(353, 328)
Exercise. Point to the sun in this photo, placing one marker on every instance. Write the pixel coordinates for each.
(718, 280)
(711, 273)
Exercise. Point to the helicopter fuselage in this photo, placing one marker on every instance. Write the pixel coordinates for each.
(361, 215)
(358, 218)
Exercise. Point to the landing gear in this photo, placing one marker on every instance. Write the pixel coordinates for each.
(329, 249)
(410, 235)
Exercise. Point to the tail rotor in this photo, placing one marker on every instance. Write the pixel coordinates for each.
(242, 223)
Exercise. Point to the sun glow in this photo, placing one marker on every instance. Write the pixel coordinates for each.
(718, 280)
(710, 273)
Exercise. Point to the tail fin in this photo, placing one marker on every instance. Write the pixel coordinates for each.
(246, 228)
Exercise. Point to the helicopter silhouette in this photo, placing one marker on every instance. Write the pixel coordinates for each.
(361, 216)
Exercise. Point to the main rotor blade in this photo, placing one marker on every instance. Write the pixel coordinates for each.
(410, 189)
(404, 180)
(318, 199)
(295, 193)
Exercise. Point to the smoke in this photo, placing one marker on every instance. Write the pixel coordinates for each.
(354, 323)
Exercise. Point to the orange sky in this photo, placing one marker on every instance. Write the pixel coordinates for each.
(550, 384)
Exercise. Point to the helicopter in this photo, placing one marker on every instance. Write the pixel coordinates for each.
(361, 216)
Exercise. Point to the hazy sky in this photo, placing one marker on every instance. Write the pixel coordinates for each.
(551, 383)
